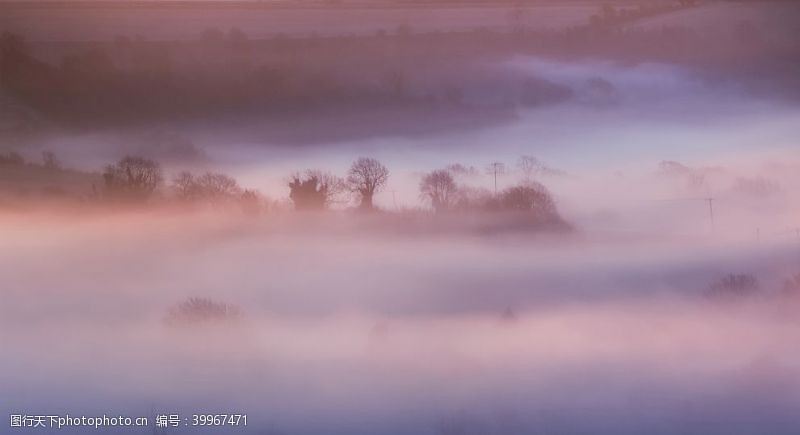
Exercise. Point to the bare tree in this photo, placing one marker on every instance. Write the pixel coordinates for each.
(211, 186)
(185, 185)
(214, 185)
(132, 178)
(314, 191)
(366, 177)
(459, 170)
(252, 202)
(530, 167)
(50, 161)
(440, 188)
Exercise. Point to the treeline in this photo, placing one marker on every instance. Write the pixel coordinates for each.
(139, 181)
(224, 72)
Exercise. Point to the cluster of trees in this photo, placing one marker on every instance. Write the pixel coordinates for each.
(738, 286)
(608, 15)
(49, 159)
(439, 188)
(316, 190)
(136, 179)
(135, 80)
(11, 158)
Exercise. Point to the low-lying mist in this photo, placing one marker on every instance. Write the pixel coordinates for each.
(342, 329)
(585, 219)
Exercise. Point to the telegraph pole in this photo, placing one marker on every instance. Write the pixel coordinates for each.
(495, 167)
(711, 212)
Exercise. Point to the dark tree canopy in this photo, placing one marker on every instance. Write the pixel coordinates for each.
(366, 177)
(132, 178)
(734, 286)
(528, 197)
(315, 190)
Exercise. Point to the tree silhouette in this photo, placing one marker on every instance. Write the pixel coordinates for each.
(198, 311)
(531, 196)
(132, 178)
(213, 187)
(439, 188)
(366, 177)
(50, 161)
(314, 191)
(734, 286)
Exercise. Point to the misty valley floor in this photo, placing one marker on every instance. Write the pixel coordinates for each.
(351, 332)
(658, 292)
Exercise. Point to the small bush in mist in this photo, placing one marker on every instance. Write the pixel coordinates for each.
(132, 178)
(733, 286)
(252, 202)
(11, 158)
(791, 287)
(758, 187)
(50, 161)
(529, 197)
(200, 311)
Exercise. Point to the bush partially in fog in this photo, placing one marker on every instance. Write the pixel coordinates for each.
(791, 287)
(733, 286)
(531, 197)
(759, 187)
(132, 179)
(11, 158)
(199, 311)
(528, 197)
(315, 190)
(50, 161)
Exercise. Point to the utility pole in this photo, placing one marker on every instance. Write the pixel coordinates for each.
(495, 168)
(394, 200)
(711, 212)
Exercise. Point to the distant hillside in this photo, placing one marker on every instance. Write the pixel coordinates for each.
(29, 180)
(776, 19)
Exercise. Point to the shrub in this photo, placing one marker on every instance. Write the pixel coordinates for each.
(734, 286)
(195, 311)
(792, 286)
(11, 158)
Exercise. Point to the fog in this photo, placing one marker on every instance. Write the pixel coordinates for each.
(646, 282)
(395, 334)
